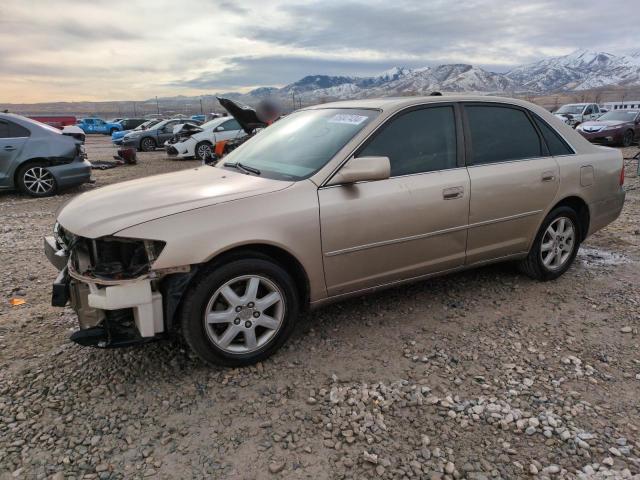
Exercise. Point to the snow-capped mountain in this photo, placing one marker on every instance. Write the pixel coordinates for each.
(580, 70)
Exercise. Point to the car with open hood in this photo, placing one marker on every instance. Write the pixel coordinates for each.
(199, 141)
(331, 201)
(619, 127)
(38, 159)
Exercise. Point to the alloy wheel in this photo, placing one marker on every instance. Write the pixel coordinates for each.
(557, 243)
(204, 151)
(38, 180)
(244, 314)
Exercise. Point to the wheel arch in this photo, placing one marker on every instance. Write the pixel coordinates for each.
(582, 210)
(277, 254)
(29, 161)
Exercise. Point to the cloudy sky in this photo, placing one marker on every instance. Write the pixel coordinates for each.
(63, 50)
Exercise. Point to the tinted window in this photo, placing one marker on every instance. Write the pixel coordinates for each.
(588, 111)
(500, 134)
(556, 144)
(16, 130)
(419, 141)
(4, 129)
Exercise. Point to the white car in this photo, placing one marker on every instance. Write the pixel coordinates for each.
(201, 144)
(576, 113)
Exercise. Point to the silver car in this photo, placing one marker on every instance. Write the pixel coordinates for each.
(38, 159)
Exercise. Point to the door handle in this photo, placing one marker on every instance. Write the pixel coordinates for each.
(548, 176)
(453, 193)
(9, 148)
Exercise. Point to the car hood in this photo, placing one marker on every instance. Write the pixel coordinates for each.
(246, 116)
(604, 123)
(110, 209)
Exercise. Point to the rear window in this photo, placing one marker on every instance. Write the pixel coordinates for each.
(557, 146)
(501, 134)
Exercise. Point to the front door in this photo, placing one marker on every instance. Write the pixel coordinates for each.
(414, 223)
(513, 180)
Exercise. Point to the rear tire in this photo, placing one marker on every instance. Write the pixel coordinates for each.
(147, 144)
(627, 139)
(112, 131)
(240, 312)
(36, 180)
(555, 246)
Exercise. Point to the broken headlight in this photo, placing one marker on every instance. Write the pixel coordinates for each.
(115, 258)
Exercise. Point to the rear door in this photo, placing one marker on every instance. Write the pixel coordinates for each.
(513, 180)
(229, 130)
(414, 223)
(12, 140)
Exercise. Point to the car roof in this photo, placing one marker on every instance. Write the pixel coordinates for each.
(396, 103)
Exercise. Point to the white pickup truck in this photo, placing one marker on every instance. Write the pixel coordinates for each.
(576, 113)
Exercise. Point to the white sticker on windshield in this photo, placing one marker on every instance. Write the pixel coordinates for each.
(346, 118)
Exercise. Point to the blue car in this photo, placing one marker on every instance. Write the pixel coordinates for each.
(116, 137)
(97, 125)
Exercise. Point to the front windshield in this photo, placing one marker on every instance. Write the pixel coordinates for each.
(574, 109)
(623, 115)
(300, 144)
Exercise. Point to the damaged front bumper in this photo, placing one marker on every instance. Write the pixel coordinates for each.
(111, 313)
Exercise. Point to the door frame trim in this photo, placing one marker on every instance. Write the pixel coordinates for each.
(384, 243)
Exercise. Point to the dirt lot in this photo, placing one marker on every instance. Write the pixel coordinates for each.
(483, 374)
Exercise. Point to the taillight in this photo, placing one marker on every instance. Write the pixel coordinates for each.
(622, 174)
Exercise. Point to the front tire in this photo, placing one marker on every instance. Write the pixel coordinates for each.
(240, 312)
(627, 139)
(147, 144)
(555, 246)
(36, 180)
(203, 150)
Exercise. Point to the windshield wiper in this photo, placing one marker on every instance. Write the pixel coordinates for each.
(244, 168)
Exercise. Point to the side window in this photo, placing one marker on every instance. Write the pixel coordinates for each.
(416, 142)
(588, 110)
(232, 125)
(557, 146)
(501, 134)
(4, 129)
(18, 131)
(88, 121)
(596, 109)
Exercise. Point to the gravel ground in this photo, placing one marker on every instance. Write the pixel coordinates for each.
(482, 374)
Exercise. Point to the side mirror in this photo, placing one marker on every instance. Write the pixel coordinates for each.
(362, 169)
(219, 128)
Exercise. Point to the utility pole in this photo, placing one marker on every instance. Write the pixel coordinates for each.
(293, 97)
(157, 105)
(135, 113)
(201, 110)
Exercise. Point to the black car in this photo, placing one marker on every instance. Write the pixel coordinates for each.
(131, 123)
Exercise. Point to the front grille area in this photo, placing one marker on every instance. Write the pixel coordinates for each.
(110, 258)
